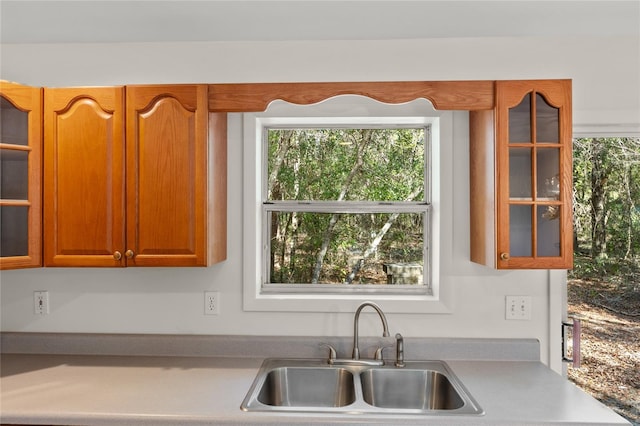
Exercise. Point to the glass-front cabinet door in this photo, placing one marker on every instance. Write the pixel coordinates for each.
(20, 176)
(534, 174)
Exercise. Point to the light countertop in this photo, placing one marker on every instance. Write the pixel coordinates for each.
(180, 390)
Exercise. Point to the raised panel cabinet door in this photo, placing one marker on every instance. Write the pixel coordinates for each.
(84, 212)
(534, 175)
(167, 175)
(20, 176)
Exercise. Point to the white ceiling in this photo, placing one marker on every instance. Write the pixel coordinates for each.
(114, 21)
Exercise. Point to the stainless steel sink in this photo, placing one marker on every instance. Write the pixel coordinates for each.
(313, 385)
(409, 388)
(307, 387)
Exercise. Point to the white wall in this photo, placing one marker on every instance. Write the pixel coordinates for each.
(606, 75)
(605, 70)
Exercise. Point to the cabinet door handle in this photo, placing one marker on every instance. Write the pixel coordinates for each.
(504, 256)
(117, 255)
(129, 254)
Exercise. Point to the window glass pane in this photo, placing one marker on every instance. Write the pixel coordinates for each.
(14, 174)
(548, 173)
(362, 248)
(520, 226)
(520, 121)
(548, 231)
(346, 164)
(14, 124)
(520, 173)
(14, 229)
(547, 121)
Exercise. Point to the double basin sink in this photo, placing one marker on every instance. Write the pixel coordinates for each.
(313, 385)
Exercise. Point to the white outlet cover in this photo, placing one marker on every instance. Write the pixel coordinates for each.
(212, 303)
(518, 308)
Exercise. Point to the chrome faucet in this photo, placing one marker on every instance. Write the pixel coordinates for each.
(378, 358)
(385, 332)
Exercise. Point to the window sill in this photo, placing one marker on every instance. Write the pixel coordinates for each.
(334, 302)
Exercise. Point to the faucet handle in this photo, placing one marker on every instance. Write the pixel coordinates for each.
(332, 352)
(378, 355)
(399, 350)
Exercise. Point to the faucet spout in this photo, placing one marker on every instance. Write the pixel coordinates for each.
(385, 333)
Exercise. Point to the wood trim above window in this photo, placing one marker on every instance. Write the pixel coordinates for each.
(444, 95)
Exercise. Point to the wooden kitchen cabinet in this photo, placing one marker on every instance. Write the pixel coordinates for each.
(169, 181)
(84, 164)
(521, 177)
(20, 176)
(131, 175)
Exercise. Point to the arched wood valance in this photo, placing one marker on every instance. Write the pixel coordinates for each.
(444, 95)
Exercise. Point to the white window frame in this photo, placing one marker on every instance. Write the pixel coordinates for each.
(419, 113)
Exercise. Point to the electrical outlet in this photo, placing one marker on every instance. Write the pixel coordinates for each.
(41, 302)
(518, 308)
(211, 303)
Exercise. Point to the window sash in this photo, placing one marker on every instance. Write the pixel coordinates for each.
(346, 207)
(350, 123)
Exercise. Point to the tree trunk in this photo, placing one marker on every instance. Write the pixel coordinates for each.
(328, 233)
(372, 247)
(275, 193)
(629, 207)
(378, 239)
(598, 176)
(326, 239)
(283, 147)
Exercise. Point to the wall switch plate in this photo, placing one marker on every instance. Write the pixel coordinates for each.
(211, 303)
(41, 302)
(518, 307)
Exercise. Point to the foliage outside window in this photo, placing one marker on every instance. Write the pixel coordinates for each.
(346, 208)
(606, 194)
(604, 284)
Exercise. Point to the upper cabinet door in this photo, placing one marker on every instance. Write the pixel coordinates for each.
(20, 176)
(84, 166)
(521, 177)
(167, 175)
(534, 174)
